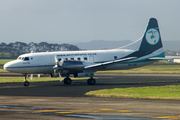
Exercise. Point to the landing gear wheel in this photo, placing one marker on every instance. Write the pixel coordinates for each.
(67, 81)
(91, 81)
(26, 83)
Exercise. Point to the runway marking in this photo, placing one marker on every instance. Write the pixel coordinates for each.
(48, 110)
(64, 112)
(85, 111)
(82, 110)
(96, 111)
(67, 112)
(124, 111)
(107, 109)
(168, 117)
(115, 110)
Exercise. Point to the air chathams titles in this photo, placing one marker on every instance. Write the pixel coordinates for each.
(78, 54)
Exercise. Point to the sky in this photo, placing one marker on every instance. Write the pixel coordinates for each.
(73, 21)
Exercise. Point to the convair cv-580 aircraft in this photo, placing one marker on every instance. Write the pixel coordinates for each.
(146, 50)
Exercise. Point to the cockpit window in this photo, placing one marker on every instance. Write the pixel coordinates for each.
(26, 58)
(23, 58)
(19, 58)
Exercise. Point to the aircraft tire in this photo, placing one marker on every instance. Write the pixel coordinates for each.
(91, 81)
(67, 81)
(26, 83)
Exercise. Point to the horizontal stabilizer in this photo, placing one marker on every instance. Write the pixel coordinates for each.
(157, 58)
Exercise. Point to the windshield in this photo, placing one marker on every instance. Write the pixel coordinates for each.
(19, 58)
(23, 58)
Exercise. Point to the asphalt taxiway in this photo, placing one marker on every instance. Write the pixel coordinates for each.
(54, 100)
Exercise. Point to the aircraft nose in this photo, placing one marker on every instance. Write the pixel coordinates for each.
(6, 66)
(9, 66)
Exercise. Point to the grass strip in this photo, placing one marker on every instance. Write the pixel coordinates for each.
(2, 70)
(35, 79)
(3, 61)
(157, 92)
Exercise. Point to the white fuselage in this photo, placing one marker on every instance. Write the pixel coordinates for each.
(43, 62)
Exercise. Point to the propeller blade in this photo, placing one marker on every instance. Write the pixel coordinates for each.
(60, 77)
(55, 58)
(61, 62)
(58, 66)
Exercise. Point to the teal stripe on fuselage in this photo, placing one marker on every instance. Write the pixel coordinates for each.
(139, 61)
(32, 66)
(145, 60)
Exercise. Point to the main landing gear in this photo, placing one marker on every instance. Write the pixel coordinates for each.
(26, 83)
(91, 81)
(67, 81)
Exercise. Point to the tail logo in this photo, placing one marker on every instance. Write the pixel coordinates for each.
(152, 36)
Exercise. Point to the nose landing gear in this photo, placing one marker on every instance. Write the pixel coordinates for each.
(26, 83)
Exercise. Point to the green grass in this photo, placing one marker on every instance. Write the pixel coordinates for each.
(162, 92)
(2, 70)
(3, 61)
(35, 79)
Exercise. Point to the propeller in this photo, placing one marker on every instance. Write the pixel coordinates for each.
(58, 66)
(31, 76)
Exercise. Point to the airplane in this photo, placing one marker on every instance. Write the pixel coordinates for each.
(147, 50)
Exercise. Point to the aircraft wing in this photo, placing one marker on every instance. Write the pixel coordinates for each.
(106, 64)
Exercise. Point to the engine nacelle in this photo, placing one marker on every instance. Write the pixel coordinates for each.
(73, 66)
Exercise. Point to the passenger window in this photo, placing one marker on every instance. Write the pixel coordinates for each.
(66, 58)
(59, 59)
(85, 58)
(79, 59)
(72, 58)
